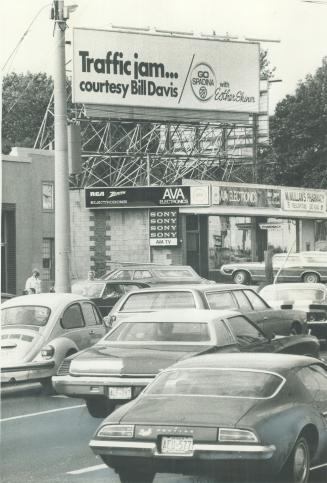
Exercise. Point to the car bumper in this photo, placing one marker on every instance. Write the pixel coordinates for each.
(87, 387)
(210, 452)
(30, 371)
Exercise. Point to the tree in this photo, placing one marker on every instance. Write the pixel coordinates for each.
(299, 134)
(25, 98)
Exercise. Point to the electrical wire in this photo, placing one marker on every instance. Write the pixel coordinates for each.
(15, 50)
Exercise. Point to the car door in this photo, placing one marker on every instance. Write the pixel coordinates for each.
(271, 321)
(94, 326)
(74, 327)
(249, 337)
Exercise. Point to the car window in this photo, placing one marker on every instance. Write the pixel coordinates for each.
(90, 316)
(314, 379)
(142, 274)
(220, 300)
(113, 290)
(158, 300)
(130, 287)
(160, 332)
(122, 275)
(33, 315)
(72, 317)
(256, 302)
(242, 300)
(224, 336)
(88, 289)
(243, 330)
(178, 273)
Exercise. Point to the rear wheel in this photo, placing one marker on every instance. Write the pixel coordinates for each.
(311, 277)
(241, 277)
(47, 386)
(297, 467)
(99, 408)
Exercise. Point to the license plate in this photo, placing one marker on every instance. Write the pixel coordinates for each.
(176, 445)
(120, 393)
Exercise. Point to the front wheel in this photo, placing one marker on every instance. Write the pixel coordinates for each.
(311, 277)
(241, 277)
(297, 467)
(99, 408)
(133, 475)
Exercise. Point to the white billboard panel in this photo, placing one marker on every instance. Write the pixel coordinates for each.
(159, 72)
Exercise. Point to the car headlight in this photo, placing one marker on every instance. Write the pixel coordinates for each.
(47, 352)
(117, 431)
(229, 435)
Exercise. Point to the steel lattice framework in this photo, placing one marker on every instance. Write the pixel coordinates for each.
(122, 153)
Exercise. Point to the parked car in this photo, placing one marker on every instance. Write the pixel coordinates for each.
(118, 368)
(105, 293)
(154, 274)
(39, 331)
(274, 428)
(218, 296)
(309, 267)
(311, 298)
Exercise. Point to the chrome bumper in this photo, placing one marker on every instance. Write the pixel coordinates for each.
(82, 386)
(28, 371)
(200, 451)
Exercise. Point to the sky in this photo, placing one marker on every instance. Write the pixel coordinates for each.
(300, 28)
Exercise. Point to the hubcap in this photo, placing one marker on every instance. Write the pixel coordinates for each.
(300, 464)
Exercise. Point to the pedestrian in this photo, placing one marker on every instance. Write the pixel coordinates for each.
(91, 275)
(33, 283)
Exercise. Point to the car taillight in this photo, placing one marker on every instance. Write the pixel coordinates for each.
(117, 431)
(231, 435)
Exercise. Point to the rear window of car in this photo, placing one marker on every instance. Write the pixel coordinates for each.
(34, 315)
(214, 382)
(158, 300)
(178, 273)
(180, 332)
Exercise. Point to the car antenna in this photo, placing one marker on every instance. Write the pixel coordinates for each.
(286, 258)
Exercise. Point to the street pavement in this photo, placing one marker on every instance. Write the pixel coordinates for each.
(45, 439)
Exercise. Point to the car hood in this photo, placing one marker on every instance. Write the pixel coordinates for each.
(17, 344)
(123, 360)
(187, 410)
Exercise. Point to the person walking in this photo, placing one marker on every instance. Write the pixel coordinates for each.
(33, 283)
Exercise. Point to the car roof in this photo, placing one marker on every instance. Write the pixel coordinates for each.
(51, 300)
(203, 287)
(107, 282)
(185, 315)
(146, 265)
(299, 285)
(280, 363)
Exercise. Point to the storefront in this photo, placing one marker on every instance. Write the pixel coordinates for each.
(203, 224)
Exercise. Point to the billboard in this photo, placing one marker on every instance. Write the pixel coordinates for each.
(150, 73)
(146, 196)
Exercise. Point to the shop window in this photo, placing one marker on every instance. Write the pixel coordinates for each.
(320, 235)
(48, 264)
(47, 195)
(283, 237)
(229, 240)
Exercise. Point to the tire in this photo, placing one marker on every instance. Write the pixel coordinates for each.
(297, 468)
(135, 475)
(311, 277)
(99, 408)
(47, 387)
(241, 277)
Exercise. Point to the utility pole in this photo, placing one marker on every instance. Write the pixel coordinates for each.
(62, 214)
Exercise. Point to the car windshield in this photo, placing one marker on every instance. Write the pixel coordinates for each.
(180, 332)
(292, 294)
(88, 289)
(158, 300)
(236, 383)
(178, 273)
(34, 315)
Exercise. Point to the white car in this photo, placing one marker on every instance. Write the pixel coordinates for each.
(39, 331)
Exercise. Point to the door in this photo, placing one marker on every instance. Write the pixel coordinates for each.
(93, 323)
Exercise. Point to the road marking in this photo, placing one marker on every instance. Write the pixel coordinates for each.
(87, 470)
(42, 412)
(60, 395)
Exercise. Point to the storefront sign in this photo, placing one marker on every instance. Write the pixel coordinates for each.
(115, 68)
(247, 196)
(163, 227)
(271, 226)
(304, 200)
(146, 196)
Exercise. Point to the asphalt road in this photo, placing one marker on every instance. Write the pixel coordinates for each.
(45, 439)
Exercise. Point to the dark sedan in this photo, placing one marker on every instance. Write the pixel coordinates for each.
(212, 297)
(105, 293)
(258, 416)
(117, 369)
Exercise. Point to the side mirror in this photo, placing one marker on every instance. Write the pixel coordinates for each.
(106, 321)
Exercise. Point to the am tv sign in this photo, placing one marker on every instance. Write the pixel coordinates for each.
(163, 227)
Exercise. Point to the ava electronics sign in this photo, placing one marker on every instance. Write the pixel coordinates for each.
(164, 72)
(146, 196)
